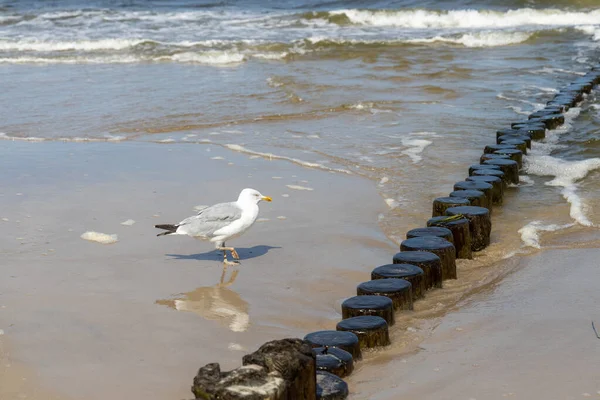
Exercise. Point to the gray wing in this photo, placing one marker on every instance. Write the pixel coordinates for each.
(210, 219)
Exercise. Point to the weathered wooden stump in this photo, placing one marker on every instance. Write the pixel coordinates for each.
(484, 187)
(379, 306)
(441, 204)
(492, 172)
(343, 340)
(518, 135)
(509, 167)
(334, 360)
(480, 224)
(399, 290)
(475, 167)
(441, 247)
(371, 331)
(491, 156)
(491, 148)
(511, 131)
(497, 186)
(476, 197)
(409, 272)
(442, 232)
(280, 369)
(430, 263)
(537, 131)
(330, 387)
(543, 113)
(519, 144)
(460, 233)
(514, 154)
(551, 121)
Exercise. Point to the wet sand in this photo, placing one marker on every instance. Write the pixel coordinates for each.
(93, 321)
(141, 315)
(530, 337)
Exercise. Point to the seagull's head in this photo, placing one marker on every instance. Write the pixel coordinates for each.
(251, 196)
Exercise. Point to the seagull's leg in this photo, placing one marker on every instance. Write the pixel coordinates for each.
(234, 253)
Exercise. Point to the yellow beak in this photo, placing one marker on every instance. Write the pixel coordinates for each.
(267, 198)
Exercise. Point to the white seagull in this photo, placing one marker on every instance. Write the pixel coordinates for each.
(220, 222)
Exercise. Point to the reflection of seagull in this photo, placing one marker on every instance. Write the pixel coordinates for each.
(215, 303)
(220, 222)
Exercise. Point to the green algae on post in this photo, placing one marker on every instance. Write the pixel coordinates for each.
(480, 224)
(442, 232)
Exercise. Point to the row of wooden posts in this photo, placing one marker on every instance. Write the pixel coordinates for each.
(460, 226)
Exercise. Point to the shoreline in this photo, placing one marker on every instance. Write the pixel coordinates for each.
(75, 310)
(506, 341)
(354, 246)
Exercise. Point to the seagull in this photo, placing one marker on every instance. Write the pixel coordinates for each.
(220, 222)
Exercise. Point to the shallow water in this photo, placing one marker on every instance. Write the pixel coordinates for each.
(402, 95)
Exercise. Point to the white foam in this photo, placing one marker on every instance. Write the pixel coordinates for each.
(469, 18)
(129, 222)
(100, 237)
(298, 187)
(479, 39)
(114, 59)
(592, 30)
(525, 180)
(415, 148)
(53, 46)
(392, 203)
(553, 71)
(210, 57)
(566, 174)
(361, 106)
(536, 106)
(4, 136)
(270, 156)
(519, 110)
(530, 232)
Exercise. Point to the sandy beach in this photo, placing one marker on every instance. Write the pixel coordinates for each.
(528, 337)
(75, 312)
(117, 115)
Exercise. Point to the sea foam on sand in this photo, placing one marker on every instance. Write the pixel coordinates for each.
(100, 237)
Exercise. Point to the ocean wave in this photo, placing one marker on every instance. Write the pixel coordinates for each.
(480, 39)
(427, 19)
(530, 233)
(566, 175)
(270, 156)
(83, 45)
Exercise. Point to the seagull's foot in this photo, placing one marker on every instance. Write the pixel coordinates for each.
(234, 253)
(231, 263)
